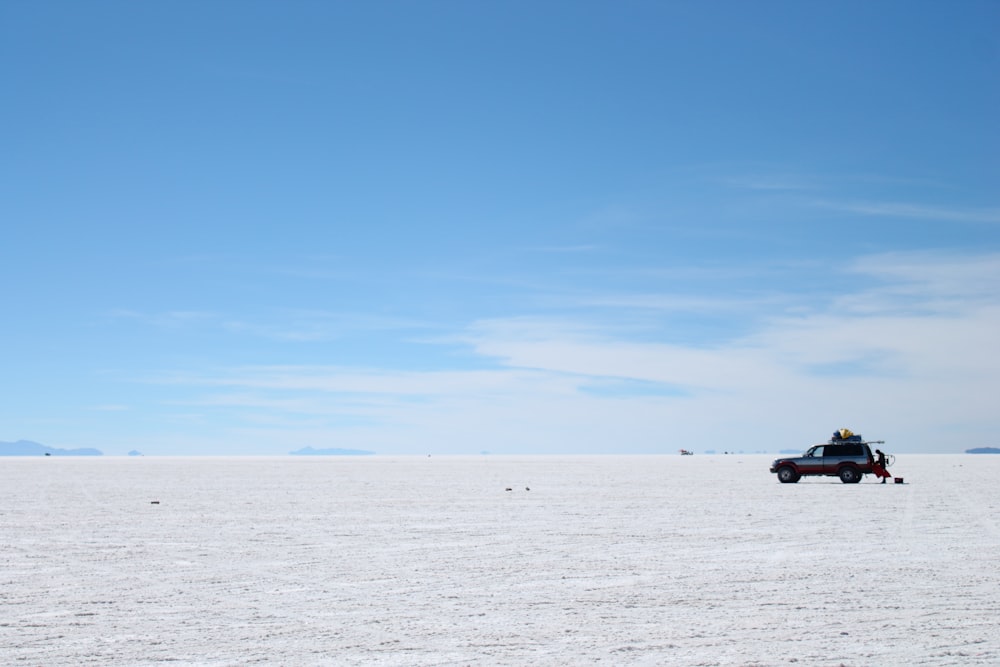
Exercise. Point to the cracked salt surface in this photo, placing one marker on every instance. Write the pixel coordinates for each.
(703, 560)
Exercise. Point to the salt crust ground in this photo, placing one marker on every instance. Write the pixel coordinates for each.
(702, 560)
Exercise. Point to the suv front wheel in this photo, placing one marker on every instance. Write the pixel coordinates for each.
(849, 476)
(787, 475)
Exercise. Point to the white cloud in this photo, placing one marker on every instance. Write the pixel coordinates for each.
(913, 356)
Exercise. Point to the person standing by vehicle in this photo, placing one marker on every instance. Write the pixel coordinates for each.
(879, 466)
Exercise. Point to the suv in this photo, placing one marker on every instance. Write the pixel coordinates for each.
(848, 460)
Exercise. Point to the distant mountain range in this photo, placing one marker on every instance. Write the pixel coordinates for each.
(983, 450)
(309, 451)
(28, 448)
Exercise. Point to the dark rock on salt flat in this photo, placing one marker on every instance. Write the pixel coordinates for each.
(28, 448)
(309, 451)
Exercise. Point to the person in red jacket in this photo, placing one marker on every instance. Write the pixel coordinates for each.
(878, 467)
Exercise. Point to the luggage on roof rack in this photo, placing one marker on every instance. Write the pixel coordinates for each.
(845, 435)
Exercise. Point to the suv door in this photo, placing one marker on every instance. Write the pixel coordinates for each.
(811, 463)
(833, 456)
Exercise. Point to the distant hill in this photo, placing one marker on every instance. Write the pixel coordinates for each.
(28, 448)
(983, 450)
(309, 451)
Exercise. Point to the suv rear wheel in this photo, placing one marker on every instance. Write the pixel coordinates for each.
(849, 475)
(787, 475)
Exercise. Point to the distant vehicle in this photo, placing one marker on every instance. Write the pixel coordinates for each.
(685, 452)
(849, 458)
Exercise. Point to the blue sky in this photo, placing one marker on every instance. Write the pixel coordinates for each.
(517, 227)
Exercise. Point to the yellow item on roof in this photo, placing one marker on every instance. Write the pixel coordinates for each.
(846, 433)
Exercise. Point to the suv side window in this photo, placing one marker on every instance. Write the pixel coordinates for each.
(815, 451)
(835, 450)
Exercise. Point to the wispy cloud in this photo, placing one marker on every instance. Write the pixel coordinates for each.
(167, 319)
(771, 182)
(282, 325)
(306, 326)
(566, 249)
(912, 210)
(682, 303)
